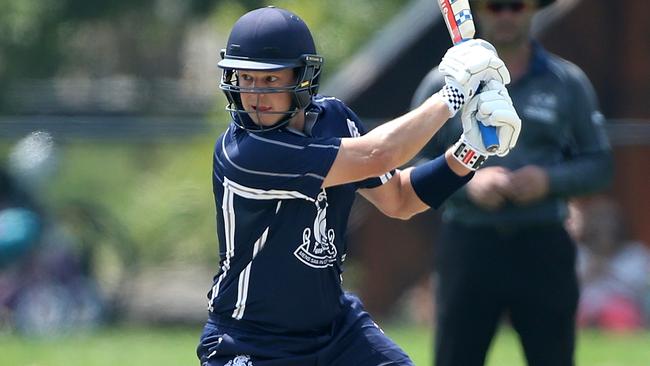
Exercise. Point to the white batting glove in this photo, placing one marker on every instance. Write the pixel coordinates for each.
(493, 107)
(465, 66)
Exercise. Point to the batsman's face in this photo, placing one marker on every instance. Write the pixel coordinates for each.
(266, 109)
(506, 23)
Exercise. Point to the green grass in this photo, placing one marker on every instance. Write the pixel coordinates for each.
(175, 347)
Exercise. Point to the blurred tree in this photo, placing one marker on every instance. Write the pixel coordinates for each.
(147, 39)
(40, 38)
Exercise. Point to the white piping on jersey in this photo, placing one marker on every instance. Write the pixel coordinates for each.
(225, 153)
(229, 231)
(285, 144)
(230, 189)
(244, 277)
(386, 177)
(325, 146)
(315, 176)
(260, 194)
(322, 99)
(352, 127)
(254, 136)
(217, 176)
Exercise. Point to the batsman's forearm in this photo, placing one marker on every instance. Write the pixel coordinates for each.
(399, 140)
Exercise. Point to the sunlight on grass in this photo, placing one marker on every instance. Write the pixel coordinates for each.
(175, 346)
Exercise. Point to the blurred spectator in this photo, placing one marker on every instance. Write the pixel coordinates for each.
(20, 227)
(19, 221)
(30, 163)
(614, 271)
(45, 287)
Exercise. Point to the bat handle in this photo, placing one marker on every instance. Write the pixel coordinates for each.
(489, 136)
(488, 133)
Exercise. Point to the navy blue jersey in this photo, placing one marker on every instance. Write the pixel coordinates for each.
(281, 236)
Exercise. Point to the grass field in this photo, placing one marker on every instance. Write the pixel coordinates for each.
(175, 347)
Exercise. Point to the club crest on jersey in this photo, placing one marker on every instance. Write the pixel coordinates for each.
(321, 251)
(241, 360)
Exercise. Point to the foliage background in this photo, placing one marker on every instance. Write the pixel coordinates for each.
(159, 190)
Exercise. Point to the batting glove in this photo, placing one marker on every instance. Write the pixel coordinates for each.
(493, 107)
(465, 66)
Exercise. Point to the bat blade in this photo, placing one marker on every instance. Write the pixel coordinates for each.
(458, 17)
(460, 23)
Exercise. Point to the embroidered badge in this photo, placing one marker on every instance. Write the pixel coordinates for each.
(241, 360)
(321, 252)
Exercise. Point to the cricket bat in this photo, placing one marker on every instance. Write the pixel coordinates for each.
(460, 23)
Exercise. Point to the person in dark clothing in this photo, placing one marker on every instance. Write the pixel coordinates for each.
(502, 248)
(19, 221)
(285, 173)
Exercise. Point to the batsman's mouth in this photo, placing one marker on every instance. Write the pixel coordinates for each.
(261, 108)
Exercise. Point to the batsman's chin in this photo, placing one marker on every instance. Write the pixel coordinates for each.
(264, 119)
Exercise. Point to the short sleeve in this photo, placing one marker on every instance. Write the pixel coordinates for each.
(356, 128)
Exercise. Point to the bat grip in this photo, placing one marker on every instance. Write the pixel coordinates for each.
(489, 136)
(488, 133)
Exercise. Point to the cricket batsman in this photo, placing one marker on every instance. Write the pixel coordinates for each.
(285, 174)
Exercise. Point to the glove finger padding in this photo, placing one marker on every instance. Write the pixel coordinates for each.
(471, 63)
(507, 129)
(495, 90)
(495, 109)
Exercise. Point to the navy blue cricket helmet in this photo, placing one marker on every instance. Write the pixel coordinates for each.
(270, 38)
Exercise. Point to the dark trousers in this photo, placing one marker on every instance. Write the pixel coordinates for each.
(353, 340)
(527, 273)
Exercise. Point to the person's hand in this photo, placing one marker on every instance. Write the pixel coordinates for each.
(493, 107)
(465, 66)
(528, 184)
(487, 189)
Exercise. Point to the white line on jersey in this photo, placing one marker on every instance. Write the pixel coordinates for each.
(229, 231)
(244, 277)
(260, 194)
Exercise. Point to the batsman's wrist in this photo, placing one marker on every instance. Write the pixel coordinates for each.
(435, 180)
(453, 97)
(468, 156)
